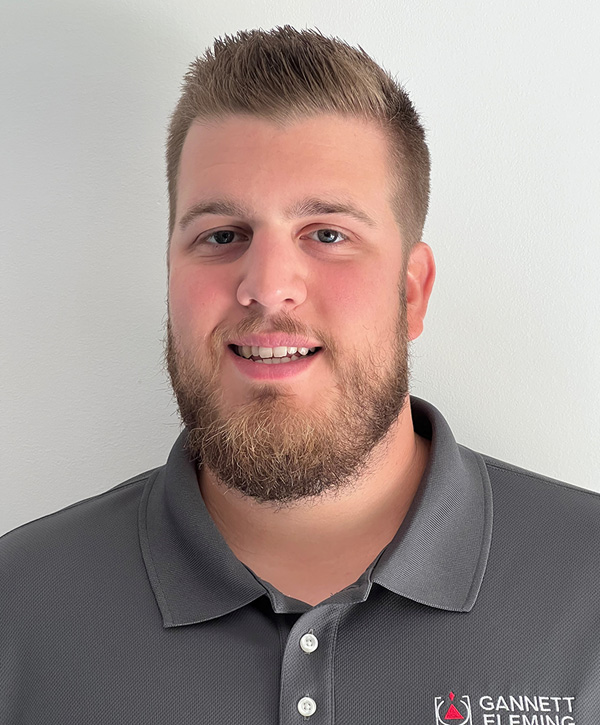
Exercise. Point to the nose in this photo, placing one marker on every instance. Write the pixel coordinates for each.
(273, 273)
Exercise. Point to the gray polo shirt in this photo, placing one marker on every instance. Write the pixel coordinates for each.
(129, 607)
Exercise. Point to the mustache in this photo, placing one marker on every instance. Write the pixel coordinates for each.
(256, 323)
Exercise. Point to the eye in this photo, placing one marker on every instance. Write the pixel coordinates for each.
(222, 237)
(327, 236)
(227, 237)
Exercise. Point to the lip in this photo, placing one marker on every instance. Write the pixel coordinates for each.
(274, 339)
(281, 371)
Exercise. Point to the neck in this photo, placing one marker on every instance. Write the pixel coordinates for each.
(333, 539)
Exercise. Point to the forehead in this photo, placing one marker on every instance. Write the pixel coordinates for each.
(262, 162)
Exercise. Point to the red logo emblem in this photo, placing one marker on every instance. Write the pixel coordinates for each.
(453, 710)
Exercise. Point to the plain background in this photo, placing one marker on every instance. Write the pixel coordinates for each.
(509, 95)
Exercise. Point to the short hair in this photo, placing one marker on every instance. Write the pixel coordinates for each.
(285, 75)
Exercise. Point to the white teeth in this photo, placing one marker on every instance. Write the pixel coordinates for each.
(266, 353)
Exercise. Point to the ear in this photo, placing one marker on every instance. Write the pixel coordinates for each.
(420, 276)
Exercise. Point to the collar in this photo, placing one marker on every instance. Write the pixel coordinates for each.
(439, 554)
(437, 557)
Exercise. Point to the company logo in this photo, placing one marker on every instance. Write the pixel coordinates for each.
(453, 710)
(506, 709)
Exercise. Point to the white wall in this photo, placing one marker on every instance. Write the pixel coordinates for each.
(509, 94)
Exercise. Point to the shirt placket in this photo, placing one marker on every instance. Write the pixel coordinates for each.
(307, 668)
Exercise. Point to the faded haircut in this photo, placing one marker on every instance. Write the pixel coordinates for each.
(285, 75)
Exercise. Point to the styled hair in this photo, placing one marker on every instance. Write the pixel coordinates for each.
(285, 75)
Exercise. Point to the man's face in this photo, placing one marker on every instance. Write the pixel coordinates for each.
(278, 267)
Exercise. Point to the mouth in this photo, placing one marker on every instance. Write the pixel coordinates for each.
(273, 355)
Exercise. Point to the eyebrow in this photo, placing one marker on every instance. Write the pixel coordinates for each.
(311, 206)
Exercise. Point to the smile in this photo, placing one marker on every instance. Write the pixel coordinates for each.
(273, 355)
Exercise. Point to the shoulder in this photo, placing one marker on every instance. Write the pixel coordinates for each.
(544, 524)
(525, 486)
(88, 527)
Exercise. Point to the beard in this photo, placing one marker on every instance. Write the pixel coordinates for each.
(269, 447)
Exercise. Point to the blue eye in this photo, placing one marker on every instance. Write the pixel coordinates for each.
(325, 235)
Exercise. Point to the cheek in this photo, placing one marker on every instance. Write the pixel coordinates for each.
(195, 301)
(364, 299)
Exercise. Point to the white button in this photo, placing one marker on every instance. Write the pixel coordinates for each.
(307, 706)
(309, 642)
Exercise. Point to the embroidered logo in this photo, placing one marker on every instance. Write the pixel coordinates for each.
(453, 710)
(505, 709)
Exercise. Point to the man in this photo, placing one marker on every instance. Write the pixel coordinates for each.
(317, 547)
